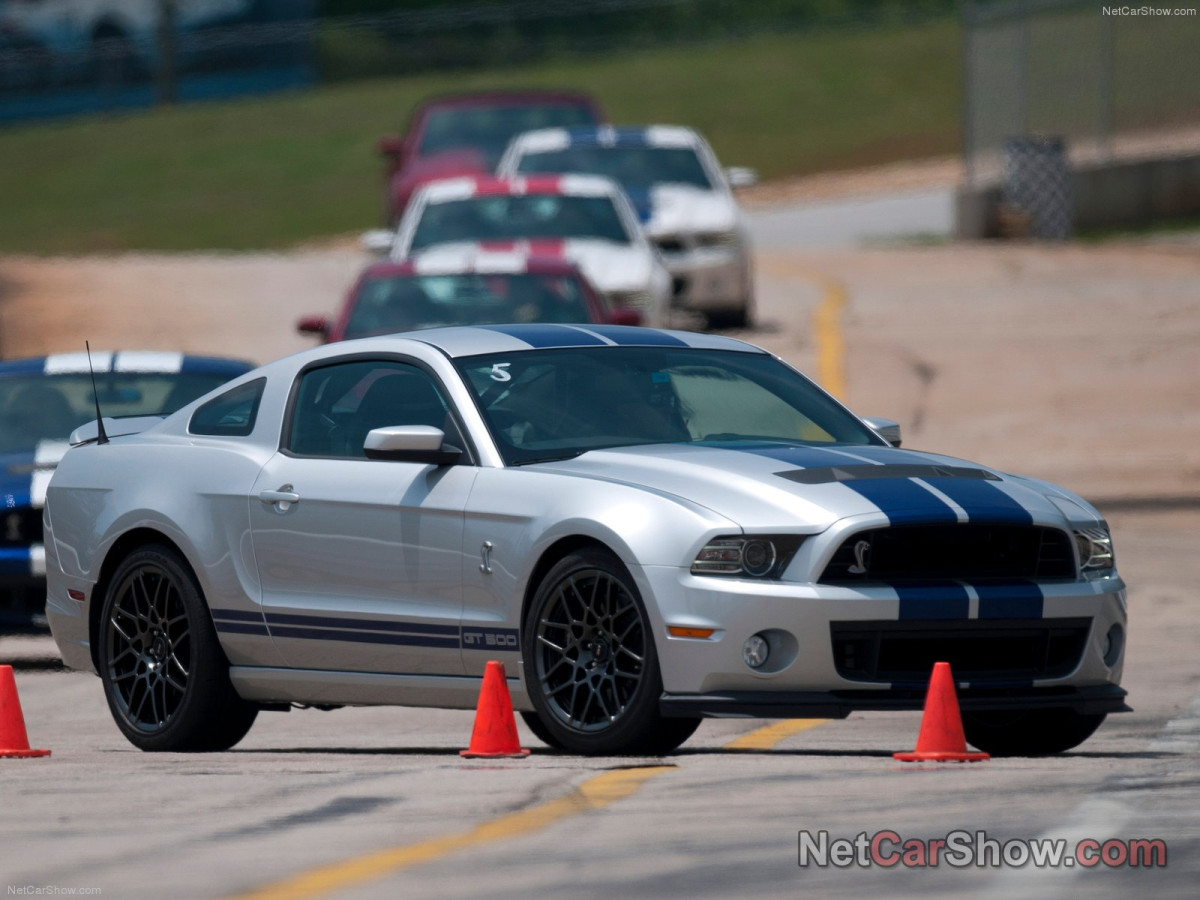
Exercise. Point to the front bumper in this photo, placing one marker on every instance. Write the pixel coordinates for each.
(709, 278)
(834, 649)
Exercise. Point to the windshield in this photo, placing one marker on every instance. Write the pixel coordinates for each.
(490, 128)
(634, 168)
(39, 407)
(555, 404)
(410, 302)
(519, 217)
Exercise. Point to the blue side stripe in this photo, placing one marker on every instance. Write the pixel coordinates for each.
(630, 336)
(364, 637)
(347, 624)
(542, 336)
(983, 501)
(904, 501)
(1015, 599)
(933, 600)
(242, 628)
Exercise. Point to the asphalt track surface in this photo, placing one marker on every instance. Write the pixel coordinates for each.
(370, 803)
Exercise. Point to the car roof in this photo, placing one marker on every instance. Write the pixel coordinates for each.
(548, 139)
(488, 258)
(448, 189)
(130, 361)
(473, 340)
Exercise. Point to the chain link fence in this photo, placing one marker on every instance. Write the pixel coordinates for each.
(1111, 81)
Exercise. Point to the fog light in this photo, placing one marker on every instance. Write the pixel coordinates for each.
(755, 651)
(1114, 643)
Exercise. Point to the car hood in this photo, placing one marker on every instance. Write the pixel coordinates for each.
(611, 267)
(682, 209)
(779, 484)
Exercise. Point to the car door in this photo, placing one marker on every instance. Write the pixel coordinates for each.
(361, 560)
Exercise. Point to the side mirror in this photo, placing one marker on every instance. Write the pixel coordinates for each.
(318, 325)
(391, 146)
(378, 241)
(886, 429)
(741, 177)
(411, 443)
(624, 315)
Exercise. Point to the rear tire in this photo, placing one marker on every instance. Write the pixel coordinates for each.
(591, 666)
(165, 676)
(1037, 732)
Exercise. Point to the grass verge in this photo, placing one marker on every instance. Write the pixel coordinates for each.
(272, 172)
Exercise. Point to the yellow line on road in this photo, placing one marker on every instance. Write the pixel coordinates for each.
(595, 793)
(768, 736)
(831, 346)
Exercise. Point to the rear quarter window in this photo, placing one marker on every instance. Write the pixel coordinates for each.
(231, 414)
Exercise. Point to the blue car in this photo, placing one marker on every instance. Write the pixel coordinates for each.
(42, 400)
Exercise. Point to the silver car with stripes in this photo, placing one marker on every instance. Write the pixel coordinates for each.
(647, 527)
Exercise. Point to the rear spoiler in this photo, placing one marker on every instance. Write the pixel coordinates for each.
(89, 432)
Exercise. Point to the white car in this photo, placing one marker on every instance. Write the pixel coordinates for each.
(646, 527)
(681, 195)
(584, 218)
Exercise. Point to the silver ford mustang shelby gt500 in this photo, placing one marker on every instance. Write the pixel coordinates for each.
(648, 527)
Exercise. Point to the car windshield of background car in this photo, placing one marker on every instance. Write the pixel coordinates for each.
(411, 302)
(488, 129)
(40, 407)
(559, 403)
(519, 217)
(634, 168)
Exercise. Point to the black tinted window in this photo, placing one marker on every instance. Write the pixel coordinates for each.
(231, 414)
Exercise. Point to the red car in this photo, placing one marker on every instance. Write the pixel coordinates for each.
(466, 134)
(482, 287)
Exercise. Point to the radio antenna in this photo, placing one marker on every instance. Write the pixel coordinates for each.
(101, 437)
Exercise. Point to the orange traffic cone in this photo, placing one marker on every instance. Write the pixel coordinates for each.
(13, 739)
(495, 733)
(941, 737)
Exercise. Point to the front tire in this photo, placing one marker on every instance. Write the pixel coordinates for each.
(165, 676)
(1038, 732)
(591, 665)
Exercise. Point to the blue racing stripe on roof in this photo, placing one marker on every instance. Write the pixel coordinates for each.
(933, 600)
(982, 500)
(542, 336)
(1015, 599)
(633, 336)
(904, 501)
(586, 137)
(33, 366)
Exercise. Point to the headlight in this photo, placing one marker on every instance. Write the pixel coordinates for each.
(1095, 552)
(717, 239)
(755, 556)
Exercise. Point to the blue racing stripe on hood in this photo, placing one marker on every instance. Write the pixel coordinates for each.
(643, 205)
(904, 501)
(542, 336)
(983, 501)
(14, 561)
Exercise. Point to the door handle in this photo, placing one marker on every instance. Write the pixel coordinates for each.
(282, 498)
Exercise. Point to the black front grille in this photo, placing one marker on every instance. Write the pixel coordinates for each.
(968, 552)
(19, 527)
(981, 650)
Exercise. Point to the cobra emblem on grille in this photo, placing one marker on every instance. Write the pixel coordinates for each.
(862, 555)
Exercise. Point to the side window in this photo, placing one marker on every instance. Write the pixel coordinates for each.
(337, 405)
(231, 414)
